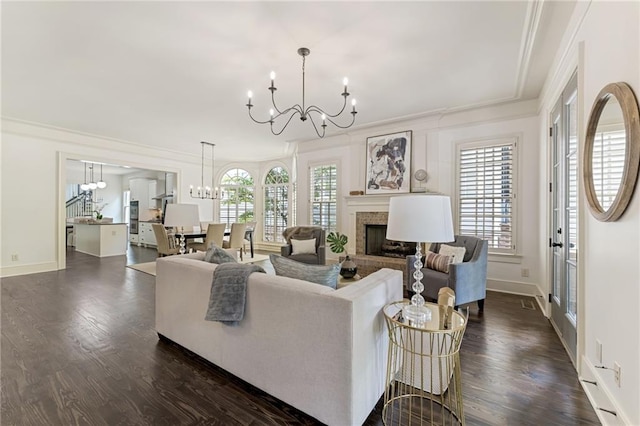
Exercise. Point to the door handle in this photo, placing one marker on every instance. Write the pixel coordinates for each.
(556, 245)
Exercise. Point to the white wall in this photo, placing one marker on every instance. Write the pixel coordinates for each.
(433, 149)
(110, 197)
(35, 156)
(604, 43)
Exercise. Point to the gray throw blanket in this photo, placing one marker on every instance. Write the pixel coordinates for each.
(229, 291)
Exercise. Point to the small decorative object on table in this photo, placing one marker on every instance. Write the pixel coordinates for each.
(98, 210)
(337, 243)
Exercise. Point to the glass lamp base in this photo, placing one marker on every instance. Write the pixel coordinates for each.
(416, 313)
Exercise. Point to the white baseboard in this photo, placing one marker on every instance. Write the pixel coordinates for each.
(34, 268)
(512, 287)
(520, 288)
(600, 397)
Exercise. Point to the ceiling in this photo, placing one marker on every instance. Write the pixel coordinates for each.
(170, 74)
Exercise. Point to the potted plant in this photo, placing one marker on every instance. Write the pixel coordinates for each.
(337, 244)
(98, 211)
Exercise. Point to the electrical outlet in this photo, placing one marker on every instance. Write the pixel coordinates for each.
(525, 272)
(14, 257)
(599, 352)
(617, 372)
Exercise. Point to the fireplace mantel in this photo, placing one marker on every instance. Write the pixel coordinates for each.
(362, 203)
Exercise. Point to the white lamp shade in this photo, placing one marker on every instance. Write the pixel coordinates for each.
(420, 218)
(182, 215)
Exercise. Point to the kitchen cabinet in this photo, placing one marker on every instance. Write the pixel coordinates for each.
(153, 191)
(139, 191)
(146, 235)
(134, 238)
(143, 190)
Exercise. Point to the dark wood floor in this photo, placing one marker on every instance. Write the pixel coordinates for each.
(79, 347)
(139, 254)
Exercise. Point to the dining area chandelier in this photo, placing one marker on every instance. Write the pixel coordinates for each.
(278, 116)
(205, 192)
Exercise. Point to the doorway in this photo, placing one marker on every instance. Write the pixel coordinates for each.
(563, 238)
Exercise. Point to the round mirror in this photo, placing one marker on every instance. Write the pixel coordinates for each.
(612, 151)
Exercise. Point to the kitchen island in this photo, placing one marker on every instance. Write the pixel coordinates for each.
(101, 239)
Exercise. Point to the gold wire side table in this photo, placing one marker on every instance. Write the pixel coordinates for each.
(423, 381)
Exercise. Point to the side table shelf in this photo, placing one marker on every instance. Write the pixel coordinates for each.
(423, 381)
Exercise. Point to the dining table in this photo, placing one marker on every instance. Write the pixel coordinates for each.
(248, 234)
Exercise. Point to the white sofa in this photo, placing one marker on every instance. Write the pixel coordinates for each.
(321, 350)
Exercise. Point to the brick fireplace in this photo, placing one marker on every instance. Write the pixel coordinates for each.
(360, 219)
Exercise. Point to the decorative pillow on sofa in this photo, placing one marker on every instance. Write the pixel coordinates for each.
(217, 255)
(456, 252)
(303, 246)
(325, 275)
(437, 262)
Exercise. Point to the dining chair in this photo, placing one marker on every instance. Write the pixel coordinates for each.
(236, 237)
(251, 226)
(167, 244)
(215, 235)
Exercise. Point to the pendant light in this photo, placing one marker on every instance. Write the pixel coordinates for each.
(92, 185)
(101, 183)
(85, 185)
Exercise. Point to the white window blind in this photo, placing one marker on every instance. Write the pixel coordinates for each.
(609, 149)
(324, 192)
(486, 193)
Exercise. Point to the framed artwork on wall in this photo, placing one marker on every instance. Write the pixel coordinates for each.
(389, 164)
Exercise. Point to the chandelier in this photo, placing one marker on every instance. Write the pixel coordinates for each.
(205, 192)
(303, 111)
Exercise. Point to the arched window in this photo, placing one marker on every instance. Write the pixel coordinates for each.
(276, 204)
(236, 202)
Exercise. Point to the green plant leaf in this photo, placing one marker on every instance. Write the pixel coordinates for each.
(337, 242)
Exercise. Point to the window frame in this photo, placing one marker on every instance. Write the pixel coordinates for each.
(329, 163)
(508, 140)
(277, 235)
(224, 187)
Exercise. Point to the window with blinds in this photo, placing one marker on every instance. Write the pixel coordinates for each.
(324, 192)
(486, 193)
(609, 148)
(276, 204)
(236, 201)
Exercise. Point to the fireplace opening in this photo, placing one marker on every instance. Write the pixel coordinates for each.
(376, 243)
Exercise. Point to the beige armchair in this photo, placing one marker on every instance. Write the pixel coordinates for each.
(236, 237)
(167, 244)
(215, 234)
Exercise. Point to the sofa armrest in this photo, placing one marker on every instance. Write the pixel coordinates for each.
(285, 250)
(322, 256)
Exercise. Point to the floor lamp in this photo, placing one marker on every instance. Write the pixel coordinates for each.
(420, 219)
(181, 216)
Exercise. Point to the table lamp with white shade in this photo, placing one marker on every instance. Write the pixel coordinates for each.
(182, 216)
(420, 219)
